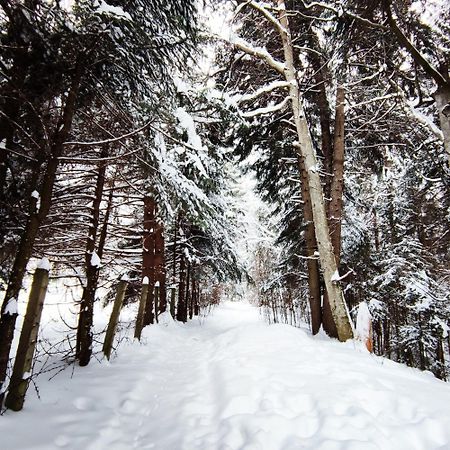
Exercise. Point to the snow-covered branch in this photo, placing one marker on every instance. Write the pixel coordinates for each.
(258, 52)
(267, 110)
(263, 90)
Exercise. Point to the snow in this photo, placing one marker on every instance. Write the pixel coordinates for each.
(95, 259)
(363, 320)
(11, 307)
(335, 277)
(145, 280)
(231, 381)
(44, 263)
(35, 194)
(113, 10)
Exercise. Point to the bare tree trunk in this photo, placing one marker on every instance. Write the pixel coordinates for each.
(335, 207)
(442, 96)
(305, 148)
(148, 256)
(36, 217)
(182, 306)
(140, 315)
(311, 249)
(160, 268)
(197, 299)
(28, 338)
(337, 184)
(114, 319)
(92, 269)
(188, 289)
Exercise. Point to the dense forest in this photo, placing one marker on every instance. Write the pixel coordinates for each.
(121, 157)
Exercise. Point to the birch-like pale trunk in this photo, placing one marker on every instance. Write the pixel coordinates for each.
(442, 97)
(305, 148)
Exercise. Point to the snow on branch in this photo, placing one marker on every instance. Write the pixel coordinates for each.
(266, 110)
(409, 108)
(257, 52)
(263, 90)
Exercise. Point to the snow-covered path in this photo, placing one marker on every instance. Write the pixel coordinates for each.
(234, 382)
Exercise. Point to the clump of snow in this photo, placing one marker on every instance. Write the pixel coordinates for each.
(44, 264)
(335, 277)
(11, 307)
(35, 194)
(363, 322)
(125, 277)
(95, 259)
(157, 284)
(117, 11)
(145, 280)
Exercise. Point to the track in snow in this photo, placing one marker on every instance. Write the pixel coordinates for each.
(233, 383)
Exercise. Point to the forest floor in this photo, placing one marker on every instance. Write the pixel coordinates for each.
(229, 382)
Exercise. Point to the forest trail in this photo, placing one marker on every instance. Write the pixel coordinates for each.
(229, 382)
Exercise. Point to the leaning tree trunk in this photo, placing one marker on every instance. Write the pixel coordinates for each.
(92, 268)
(305, 148)
(35, 219)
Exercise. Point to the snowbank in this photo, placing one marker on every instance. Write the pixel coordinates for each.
(234, 382)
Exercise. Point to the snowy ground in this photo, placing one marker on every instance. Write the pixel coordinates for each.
(233, 382)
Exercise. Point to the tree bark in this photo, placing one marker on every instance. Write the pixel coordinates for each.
(86, 316)
(337, 184)
(442, 97)
(148, 255)
(27, 343)
(335, 207)
(305, 148)
(182, 306)
(311, 249)
(114, 319)
(160, 268)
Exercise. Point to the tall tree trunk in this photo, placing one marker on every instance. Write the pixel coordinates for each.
(86, 316)
(182, 306)
(35, 219)
(321, 76)
(337, 184)
(160, 268)
(442, 96)
(311, 249)
(305, 148)
(335, 207)
(148, 256)
(188, 289)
